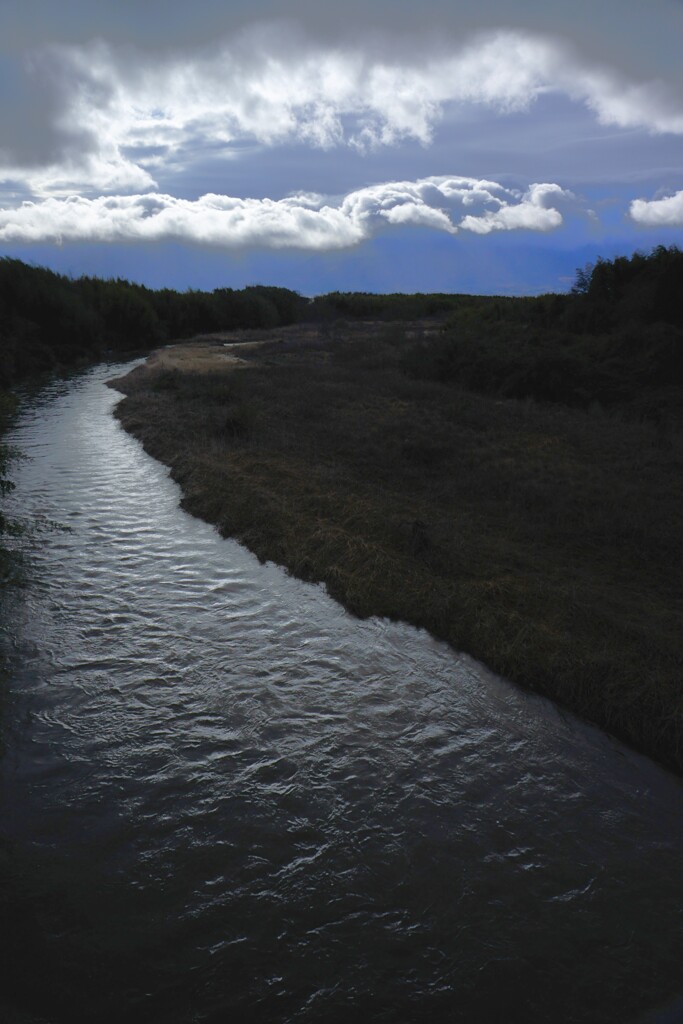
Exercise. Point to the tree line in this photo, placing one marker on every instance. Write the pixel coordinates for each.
(49, 321)
(626, 310)
(616, 341)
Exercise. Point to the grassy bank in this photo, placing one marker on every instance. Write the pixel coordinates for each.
(543, 539)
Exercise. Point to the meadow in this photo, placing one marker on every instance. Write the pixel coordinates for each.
(541, 537)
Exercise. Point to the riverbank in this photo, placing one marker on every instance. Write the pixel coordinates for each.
(543, 540)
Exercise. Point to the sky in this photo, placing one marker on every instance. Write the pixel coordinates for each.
(489, 147)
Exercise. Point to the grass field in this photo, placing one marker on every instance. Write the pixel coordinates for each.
(544, 540)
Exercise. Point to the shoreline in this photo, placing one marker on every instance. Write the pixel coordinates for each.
(499, 526)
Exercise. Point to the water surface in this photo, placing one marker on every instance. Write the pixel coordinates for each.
(225, 799)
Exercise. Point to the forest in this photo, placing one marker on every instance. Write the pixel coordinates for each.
(615, 342)
(616, 339)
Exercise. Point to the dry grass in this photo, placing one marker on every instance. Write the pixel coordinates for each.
(543, 540)
(201, 356)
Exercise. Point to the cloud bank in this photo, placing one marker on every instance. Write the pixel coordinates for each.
(666, 212)
(119, 117)
(303, 221)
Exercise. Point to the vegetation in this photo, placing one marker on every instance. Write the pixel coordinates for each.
(535, 527)
(616, 342)
(51, 322)
(503, 472)
(621, 329)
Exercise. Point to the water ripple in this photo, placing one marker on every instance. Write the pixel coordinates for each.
(258, 808)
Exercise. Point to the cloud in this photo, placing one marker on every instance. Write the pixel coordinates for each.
(303, 221)
(118, 118)
(617, 101)
(530, 213)
(666, 212)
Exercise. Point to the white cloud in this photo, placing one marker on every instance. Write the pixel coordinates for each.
(659, 212)
(529, 213)
(210, 220)
(105, 171)
(617, 101)
(127, 115)
(305, 221)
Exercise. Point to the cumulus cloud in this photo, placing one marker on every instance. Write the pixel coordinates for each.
(304, 221)
(126, 115)
(531, 212)
(667, 212)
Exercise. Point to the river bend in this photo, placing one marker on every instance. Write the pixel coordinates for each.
(224, 799)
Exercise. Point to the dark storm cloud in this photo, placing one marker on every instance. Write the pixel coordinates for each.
(35, 91)
(115, 117)
(642, 39)
(116, 105)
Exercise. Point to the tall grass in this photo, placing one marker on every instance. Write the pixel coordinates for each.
(545, 540)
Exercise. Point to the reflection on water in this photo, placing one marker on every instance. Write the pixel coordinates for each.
(224, 799)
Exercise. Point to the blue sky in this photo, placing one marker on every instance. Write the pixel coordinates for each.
(367, 146)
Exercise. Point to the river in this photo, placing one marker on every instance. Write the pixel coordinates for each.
(225, 799)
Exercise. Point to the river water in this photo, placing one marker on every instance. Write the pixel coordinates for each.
(224, 799)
